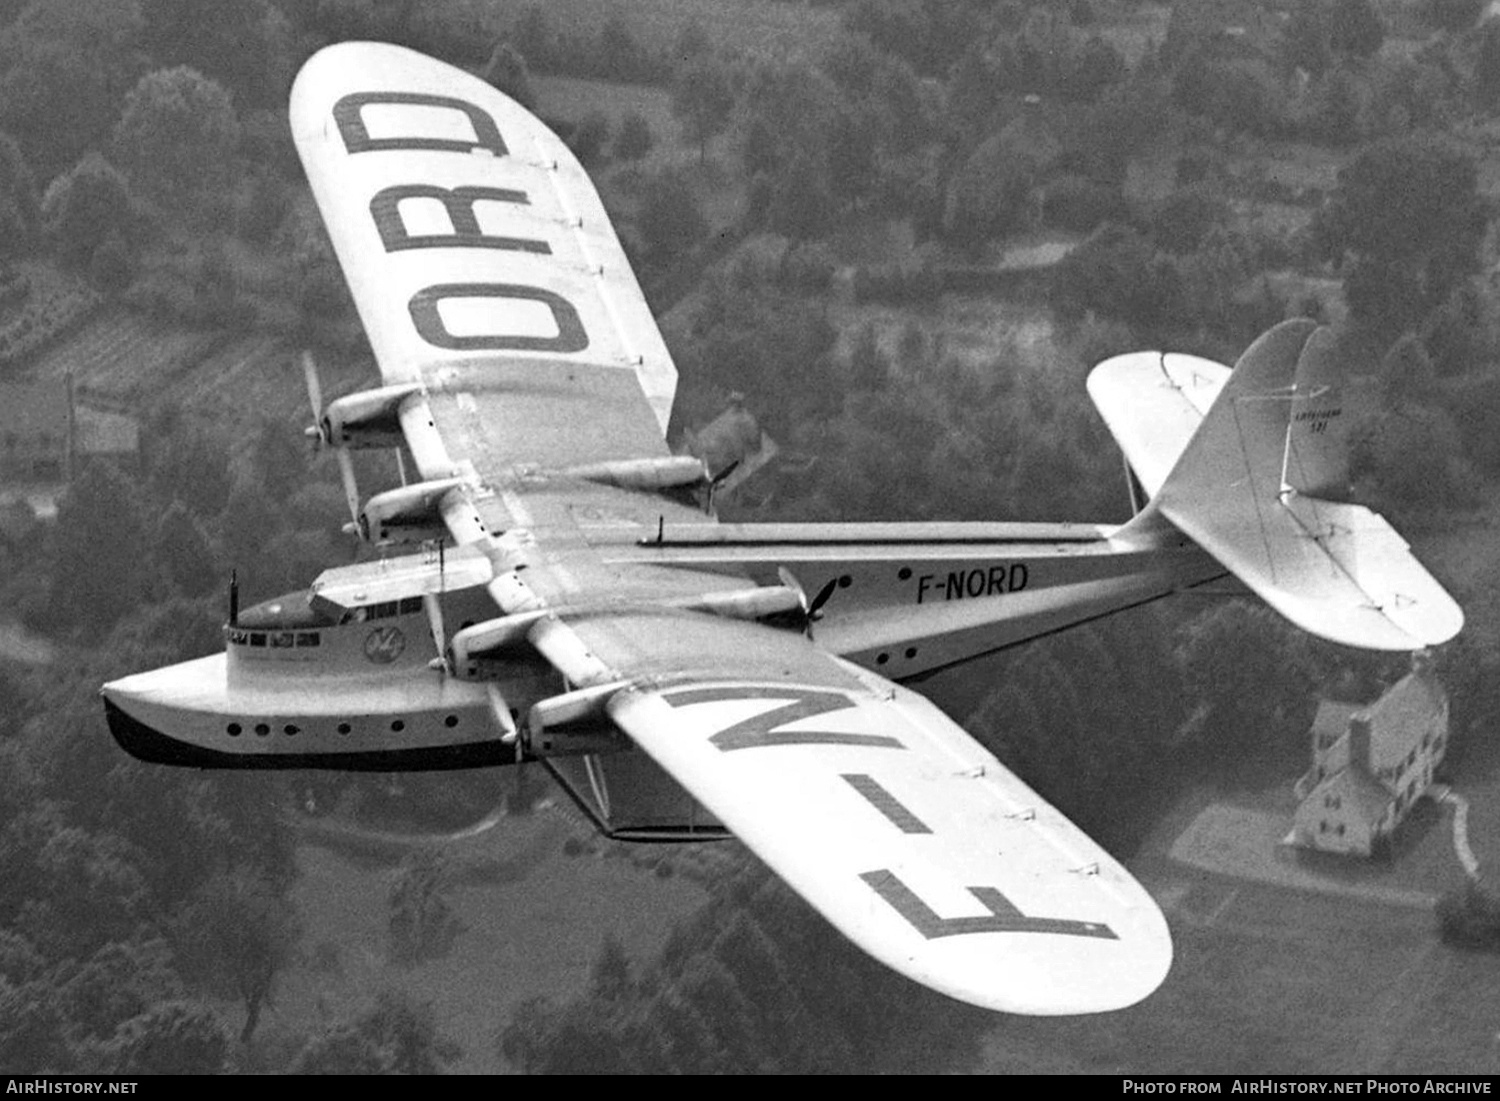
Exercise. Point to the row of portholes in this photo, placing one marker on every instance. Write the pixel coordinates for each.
(234, 730)
(882, 658)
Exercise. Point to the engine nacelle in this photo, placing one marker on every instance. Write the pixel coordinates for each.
(494, 639)
(408, 514)
(667, 472)
(575, 722)
(370, 418)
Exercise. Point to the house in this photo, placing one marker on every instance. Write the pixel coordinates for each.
(45, 431)
(36, 431)
(1371, 763)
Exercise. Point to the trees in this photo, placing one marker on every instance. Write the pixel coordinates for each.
(1487, 67)
(248, 45)
(702, 101)
(236, 934)
(65, 64)
(20, 206)
(175, 1037)
(633, 140)
(989, 196)
(589, 137)
(1115, 272)
(176, 136)
(1249, 673)
(422, 922)
(183, 551)
(84, 206)
(670, 223)
(396, 1035)
(1355, 27)
(1454, 15)
(507, 71)
(100, 566)
(1406, 220)
(801, 201)
(756, 982)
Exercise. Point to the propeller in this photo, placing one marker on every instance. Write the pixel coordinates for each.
(509, 735)
(434, 609)
(812, 610)
(320, 430)
(321, 433)
(715, 482)
(351, 488)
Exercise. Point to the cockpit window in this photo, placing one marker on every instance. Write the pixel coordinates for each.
(285, 613)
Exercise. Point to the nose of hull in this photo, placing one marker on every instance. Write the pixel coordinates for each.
(189, 715)
(148, 744)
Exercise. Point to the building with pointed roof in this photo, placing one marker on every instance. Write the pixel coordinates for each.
(1371, 763)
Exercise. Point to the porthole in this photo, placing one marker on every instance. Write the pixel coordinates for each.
(845, 581)
(903, 574)
(911, 652)
(234, 730)
(451, 721)
(262, 729)
(344, 728)
(881, 659)
(398, 726)
(289, 729)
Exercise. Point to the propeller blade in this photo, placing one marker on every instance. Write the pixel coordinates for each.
(810, 608)
(822, 598)
(351, 487)
(314, 394)
(435, 622)
(509, 735)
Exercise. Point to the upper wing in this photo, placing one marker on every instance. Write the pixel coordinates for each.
(908, 836)
(467, 231)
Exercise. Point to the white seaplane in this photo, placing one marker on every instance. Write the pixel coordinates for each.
(663, 665)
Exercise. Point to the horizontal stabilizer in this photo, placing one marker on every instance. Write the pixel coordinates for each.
(1241, 488)
(1153, 402)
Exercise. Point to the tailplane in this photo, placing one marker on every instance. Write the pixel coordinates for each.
(1262, 485)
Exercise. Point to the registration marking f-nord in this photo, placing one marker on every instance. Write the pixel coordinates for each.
(972, 582)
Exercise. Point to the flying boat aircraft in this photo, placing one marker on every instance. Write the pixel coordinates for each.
(553, 589)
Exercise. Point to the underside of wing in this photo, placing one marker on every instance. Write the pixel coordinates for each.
(907, 835)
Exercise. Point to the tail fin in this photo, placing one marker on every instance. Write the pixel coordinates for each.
(1326, 408)
(1262, 486)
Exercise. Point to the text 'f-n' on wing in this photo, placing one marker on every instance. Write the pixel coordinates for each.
(911, 839)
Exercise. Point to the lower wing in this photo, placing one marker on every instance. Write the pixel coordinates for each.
(904, 833)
